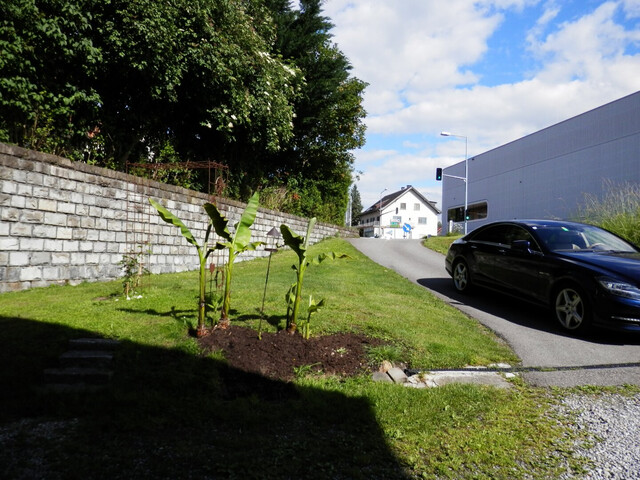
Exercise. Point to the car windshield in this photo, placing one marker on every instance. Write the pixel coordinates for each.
(581, 238)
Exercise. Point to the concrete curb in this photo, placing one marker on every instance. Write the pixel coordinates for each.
(432, 379)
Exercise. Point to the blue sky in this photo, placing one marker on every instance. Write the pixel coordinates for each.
(490, 70)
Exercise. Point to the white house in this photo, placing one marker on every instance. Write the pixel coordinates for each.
(402, 214)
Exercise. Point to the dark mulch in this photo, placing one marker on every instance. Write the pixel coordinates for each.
(278, 355)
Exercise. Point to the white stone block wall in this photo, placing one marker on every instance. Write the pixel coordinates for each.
(67, 222)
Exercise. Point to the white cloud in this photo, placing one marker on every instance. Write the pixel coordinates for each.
(585, 57)
(403, 49)
(631, 8)
(581, 47)
(550, 12)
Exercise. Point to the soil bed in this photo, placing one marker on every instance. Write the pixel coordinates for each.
(278, 355)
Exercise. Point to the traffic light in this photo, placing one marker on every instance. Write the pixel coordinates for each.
(438, 174)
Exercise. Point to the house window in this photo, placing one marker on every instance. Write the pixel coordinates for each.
(403, 206)
(422, 220)
(416, 206)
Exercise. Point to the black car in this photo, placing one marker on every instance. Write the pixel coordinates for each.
(586, 275)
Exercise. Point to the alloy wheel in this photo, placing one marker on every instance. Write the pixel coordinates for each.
(571, 310)
(461, 276)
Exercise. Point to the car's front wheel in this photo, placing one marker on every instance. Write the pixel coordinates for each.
(461, 277)
(572, 309)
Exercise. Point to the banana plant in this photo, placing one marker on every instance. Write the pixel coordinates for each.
(237, 243)
(313, 308)
(203, 253)
(300, 245)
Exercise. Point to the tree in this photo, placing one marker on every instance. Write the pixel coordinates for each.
(255, 85)
(356, 205)
(48, 99)
(195, 74)
(132, 79)
(317, 164)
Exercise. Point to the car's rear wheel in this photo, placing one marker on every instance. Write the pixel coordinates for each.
(571, 309)
(461, 277)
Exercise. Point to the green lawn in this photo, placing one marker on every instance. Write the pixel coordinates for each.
(440, 244)
(170, 412)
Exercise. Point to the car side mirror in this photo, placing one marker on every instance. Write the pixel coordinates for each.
(521, 246)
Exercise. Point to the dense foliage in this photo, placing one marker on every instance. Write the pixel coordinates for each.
(257, 86)
(356, 205)
(617, 210)
(317, 164)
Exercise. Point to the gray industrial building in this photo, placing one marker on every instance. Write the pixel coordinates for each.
(547, 174)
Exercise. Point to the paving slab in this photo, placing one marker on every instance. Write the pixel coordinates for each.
(93, 344)
(397, 375)
(86, 358)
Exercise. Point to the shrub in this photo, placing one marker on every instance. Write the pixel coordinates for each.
(618, 210)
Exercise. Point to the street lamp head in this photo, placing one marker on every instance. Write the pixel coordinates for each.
(449, 134)
(271, 245)
(273, 232)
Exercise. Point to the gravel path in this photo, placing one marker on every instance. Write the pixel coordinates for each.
(612, 425)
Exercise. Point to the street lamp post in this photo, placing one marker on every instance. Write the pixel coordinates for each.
(380, 212)
(466, 175)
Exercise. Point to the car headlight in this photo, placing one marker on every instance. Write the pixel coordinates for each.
(622, 289)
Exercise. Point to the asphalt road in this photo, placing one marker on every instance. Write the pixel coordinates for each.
(549, 357)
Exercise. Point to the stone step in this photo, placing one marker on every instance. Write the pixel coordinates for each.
(86, 358)
(103, 344)
(84, 367)
(77, 375)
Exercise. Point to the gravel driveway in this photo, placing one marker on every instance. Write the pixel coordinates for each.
(612, 425)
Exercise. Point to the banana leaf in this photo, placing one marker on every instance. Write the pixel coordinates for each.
(169, 217)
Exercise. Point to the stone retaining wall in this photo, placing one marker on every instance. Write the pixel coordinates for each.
(68, 222)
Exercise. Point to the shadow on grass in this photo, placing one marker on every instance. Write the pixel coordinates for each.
(276, 321)
(174, 313)
(189, 317)
(169, 413)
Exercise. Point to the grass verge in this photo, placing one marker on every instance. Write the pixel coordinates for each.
(169, 413)
(440, 244)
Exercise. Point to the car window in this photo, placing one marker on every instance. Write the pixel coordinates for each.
(495, 234)
(518, 233)
(599, 239)
(504, 235)
(580, 238)
(561, 238)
